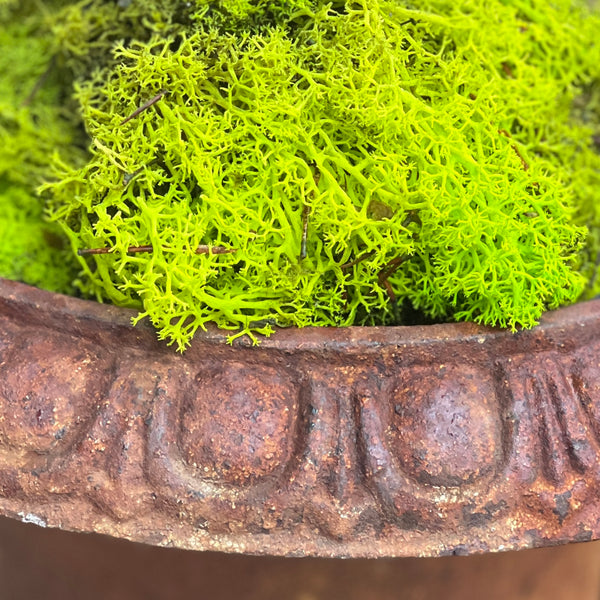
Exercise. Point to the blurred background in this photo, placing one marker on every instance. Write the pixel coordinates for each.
(51, 565)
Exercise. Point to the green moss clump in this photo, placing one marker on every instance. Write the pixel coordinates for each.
(34, 125)
(352, 158)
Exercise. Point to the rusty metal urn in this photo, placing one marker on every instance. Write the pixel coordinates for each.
(356, 442)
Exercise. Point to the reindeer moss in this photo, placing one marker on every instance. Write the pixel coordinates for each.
(356, 159)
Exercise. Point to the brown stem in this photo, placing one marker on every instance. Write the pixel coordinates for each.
(202, 249)
(515, 149)
(143, 107)
(508, 70)
(383, 277)
(391, 268)
(390, 292)
(358, 260)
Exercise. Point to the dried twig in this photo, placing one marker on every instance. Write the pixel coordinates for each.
(143, 107)
(202, 249)
(385, 274)
(508, 70)
(391, 268)
(358, 260)
(515, 149)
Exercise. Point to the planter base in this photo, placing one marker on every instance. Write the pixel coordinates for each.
(358, 442)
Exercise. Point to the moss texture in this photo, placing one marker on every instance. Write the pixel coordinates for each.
(335, 162)
(33, 126)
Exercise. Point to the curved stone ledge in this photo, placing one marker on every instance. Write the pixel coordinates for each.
(364, 442)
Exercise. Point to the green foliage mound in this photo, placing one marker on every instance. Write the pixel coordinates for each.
(302, 162)
(33, 126)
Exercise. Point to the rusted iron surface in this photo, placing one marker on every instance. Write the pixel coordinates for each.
(364, 442)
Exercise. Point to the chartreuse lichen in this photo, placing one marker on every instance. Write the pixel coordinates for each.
(336, 162)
